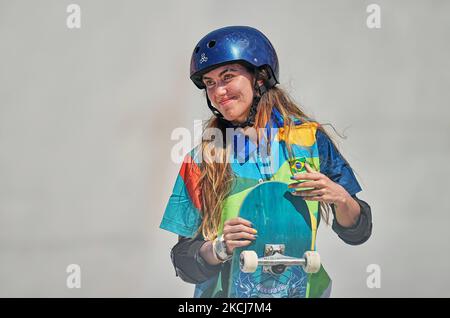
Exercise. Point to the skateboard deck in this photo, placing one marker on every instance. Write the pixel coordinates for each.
(283, 222)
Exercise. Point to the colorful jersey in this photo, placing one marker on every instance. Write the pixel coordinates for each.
(250, 166)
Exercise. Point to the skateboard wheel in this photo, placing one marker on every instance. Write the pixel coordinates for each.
(248, 261)
(312, 262)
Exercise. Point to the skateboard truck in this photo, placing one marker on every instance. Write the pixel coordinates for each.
(275, 262)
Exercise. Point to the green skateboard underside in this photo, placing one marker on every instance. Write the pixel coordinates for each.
(280, 218)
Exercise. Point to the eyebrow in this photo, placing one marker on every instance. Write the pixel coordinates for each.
(223, 72)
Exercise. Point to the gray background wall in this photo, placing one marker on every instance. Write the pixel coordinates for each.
(86, 116)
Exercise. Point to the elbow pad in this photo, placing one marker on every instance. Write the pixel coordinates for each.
(188, 263)
(360, 231)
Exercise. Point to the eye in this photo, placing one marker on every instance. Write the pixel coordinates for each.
(228, 76)
(209, 83)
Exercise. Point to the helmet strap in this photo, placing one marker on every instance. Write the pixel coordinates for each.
(212, 108)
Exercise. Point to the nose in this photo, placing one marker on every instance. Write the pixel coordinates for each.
(220, 90)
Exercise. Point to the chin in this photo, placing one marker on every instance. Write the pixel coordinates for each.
(230, 118)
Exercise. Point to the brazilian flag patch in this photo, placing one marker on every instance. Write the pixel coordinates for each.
(297, 165)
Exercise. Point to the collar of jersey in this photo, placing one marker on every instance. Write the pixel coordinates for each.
(245, 149)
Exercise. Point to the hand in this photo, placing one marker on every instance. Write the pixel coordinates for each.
(238, 232)
(323, 190)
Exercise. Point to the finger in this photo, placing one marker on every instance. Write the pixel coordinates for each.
(306, 176)
(238, 220)
(240, 228)
(309, 168)
(306, 184)
(312, 193)
(238, 236)
(309, 193)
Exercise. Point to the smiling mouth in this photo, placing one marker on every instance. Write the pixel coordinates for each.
(226, 102)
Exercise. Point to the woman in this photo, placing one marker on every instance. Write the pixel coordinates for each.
(238, 68)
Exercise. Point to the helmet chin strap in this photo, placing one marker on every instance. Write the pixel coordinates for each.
(250, 121)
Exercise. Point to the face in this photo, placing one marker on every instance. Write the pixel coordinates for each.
(230, 90)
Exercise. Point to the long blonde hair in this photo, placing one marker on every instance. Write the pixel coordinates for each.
(217, 178)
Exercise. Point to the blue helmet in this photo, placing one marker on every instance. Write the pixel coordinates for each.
(234, 44)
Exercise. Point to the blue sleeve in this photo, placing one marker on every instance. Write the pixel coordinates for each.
(182, 213)
(181, 216)
(334, 166)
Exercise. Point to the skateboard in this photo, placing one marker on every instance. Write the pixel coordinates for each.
(281, 262)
